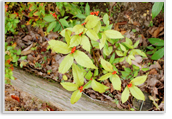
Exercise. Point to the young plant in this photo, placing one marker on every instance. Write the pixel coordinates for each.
(114, 78)
(123, 52)
(157, 52)
(133, 89)
(80, 57)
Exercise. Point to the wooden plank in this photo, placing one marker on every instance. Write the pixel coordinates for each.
(54, 93)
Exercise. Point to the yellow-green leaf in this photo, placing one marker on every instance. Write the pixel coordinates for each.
(136, 43)
(137, 93)
(67, 36)
(122, 47)
(63, 31)
(69, 86)
(59, 46)
(97, 27)
(77, 75)
(64, 77)
(102, 41)
(92, 35)
(106, 65)
(139, 80)
(75, 96)
(131, 57)
(87, 85)
(113, 34)
(82, 59)
(85, 43)
(116, 82)
(91, 21)
(128, 60)
(98, 86)
(66, 64)
(125, 95)
(75, 40)
(77, 29)
(119, 53)
(104, 77)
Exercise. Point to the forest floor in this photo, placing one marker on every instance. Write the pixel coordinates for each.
(133, 21)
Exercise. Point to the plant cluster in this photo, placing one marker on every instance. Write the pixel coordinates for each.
(84, 37)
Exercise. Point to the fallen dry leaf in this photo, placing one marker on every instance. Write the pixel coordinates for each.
(136, 23)
(123, 32)
(153, 71)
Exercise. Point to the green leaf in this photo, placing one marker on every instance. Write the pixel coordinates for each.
(139, 80)
(158, 54)
(119, 53)
(128, 60)
(136, 43)
(78, 75)
(87, 9)
(128, 43)
(106, 19)
(156, 41)
(137, 93)
(87, 85)
(64, 22)
(106, 65)
(127, 70)
(75, 40)
(81, 16)
(116, 82)
(23, 57)
(51, 26)
(82, 59)
(107, 50)
(125, 95)
(96, 72)
(91, 21)
(135, 73)
(122, 59)
(112, 58)
(75, 96)
(77, 29)
(66, 64)
(113, 34)
(140, 52)
(92, 35)
(145, 69)
(102, 41)
(98, 86)
(156, 9)
(49, 18)
(59, 46)
(88, 75)
(122, 47)
(104, 77)
(69, 86)
(85, 43)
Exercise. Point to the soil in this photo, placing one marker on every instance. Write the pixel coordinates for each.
(17, 100)
(132, 20)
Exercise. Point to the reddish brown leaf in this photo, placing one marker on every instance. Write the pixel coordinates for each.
(123, 32)
(15, 97)
(136, 23)
(153, 71)
(156, 32)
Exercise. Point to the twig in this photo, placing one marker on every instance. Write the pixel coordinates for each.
(94, 57)
(111, 9)
(60, 23)
(141, 106)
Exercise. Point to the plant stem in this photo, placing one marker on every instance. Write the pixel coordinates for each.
(60, 23)
(94, 57)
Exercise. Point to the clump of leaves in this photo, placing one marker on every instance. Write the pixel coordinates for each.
(86, 36)
(158, 51)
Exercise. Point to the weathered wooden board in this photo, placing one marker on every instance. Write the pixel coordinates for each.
(54, 93)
